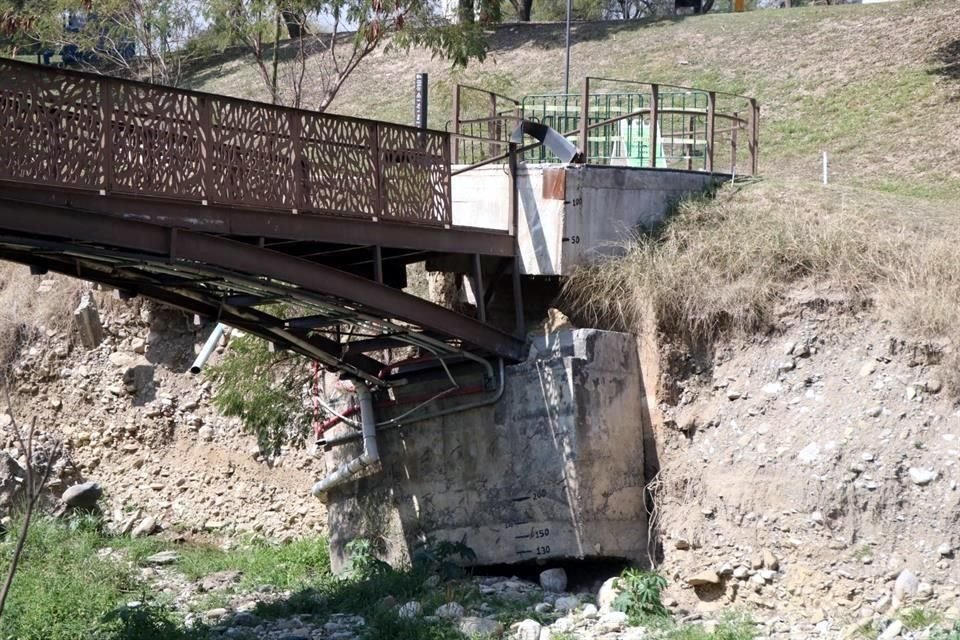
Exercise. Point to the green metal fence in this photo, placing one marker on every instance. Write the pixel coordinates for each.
(681, 138)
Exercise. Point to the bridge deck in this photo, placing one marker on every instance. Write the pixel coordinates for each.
(224, 207)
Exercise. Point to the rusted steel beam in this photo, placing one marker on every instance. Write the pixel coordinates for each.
(311, 279)
(256, 323)
(249, 222)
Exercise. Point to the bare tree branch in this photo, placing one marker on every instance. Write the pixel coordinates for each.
(34, 489)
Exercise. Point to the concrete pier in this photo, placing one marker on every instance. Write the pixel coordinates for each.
(552, 470)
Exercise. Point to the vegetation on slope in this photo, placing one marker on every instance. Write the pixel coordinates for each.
(875, 85)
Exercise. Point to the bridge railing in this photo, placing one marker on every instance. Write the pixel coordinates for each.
(631, 123)
(73, 130)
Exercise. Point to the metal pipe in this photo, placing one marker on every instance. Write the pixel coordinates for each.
(370, 455)
(394, 423)
(208, 348)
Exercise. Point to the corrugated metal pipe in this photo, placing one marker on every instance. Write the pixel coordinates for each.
(370, 455)
(208, 348)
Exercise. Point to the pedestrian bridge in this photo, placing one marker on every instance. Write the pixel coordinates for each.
(292, 225)
(299, 226)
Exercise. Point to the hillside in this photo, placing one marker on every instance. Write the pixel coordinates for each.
(877, 86)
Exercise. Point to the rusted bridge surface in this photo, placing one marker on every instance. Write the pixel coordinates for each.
(224, 207)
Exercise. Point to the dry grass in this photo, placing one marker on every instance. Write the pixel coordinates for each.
(25, 314)
(723, 266)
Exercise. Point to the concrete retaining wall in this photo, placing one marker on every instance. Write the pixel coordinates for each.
(573, 214)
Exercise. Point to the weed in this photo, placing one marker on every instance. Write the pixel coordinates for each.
(443, 558)
(862, 552)
(640, 593)
(917, 618)
(731, 627)
(144, 620)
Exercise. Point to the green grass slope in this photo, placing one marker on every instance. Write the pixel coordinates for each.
(877, 86)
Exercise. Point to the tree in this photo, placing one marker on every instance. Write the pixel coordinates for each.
(329, 38)
(134, 38)
(35, 480)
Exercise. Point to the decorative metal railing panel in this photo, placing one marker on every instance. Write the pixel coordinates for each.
(81, 131)
(50, 131)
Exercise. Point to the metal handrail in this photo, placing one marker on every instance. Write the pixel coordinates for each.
(74, 130)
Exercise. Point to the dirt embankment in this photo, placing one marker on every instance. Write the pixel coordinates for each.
(803, 471)
(135, 420)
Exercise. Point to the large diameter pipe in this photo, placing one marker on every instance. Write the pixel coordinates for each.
(370, 455)
(208, 348)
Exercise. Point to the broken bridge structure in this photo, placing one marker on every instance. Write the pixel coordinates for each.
(301, 228)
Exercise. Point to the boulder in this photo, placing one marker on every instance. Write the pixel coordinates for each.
(82, 496)
(554, 580)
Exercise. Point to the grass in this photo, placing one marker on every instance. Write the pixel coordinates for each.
(722, 266)
(874, 85)
(75, 583)
(917, 618)
(731, 627)
(63, 587)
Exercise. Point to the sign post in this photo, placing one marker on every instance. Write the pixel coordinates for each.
(420, 101)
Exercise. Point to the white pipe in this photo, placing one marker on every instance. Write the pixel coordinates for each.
(370, 455)
(208, 348)
(826, 169)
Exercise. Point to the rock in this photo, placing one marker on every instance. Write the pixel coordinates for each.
(245, 619)
(892, 631)
(816, 517)
(769, 560)
(933, 385)
(608, 593)
(87, 319)
(218, 580)
(921, 476)
(589, 610)
(528, 630)
(164, 557)
(566, 603)
(945, 550)
(924, 590)
(412, 609)
(868, 368)
(82, 496)
(146, 527)
(554, 580)
(809, 454)
(705, 577)
(741, 573)
(767, 574)
(138, 345)
(613, 620)
(480, 628)
(206, 433)
(786, 365)
(874, 412)
(450, 611)
(215, 614)
(904, 587)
